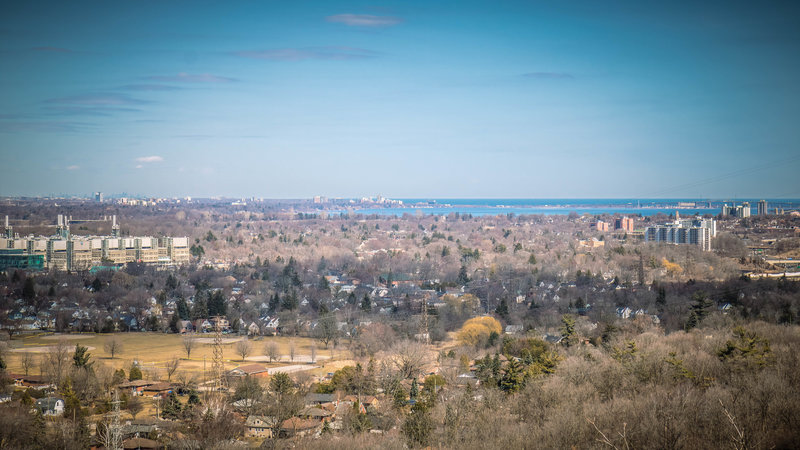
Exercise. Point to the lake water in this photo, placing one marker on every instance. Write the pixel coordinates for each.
(482, 207)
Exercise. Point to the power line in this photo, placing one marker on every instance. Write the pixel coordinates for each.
(714, 179)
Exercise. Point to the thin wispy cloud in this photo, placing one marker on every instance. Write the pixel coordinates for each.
(73, 167)
(100, 111)
(149, 87)
(309, 53)
(99, 100)
(149, 159)
(52, 49)
(364, 20)
(549, 75)
(191, 78)
(43, 127)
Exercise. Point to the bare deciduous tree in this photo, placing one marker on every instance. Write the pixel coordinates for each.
(56, 361)
(292, 350)
(313, 352)
(28, 361)
(113, 346)
(171, 366)
(409, 358)
(135, 406)
(243, 348)
(271, 350)
(189, 344)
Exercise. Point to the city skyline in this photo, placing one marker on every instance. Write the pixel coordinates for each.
(408, 99)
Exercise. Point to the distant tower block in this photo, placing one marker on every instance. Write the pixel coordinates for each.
(114, 226)
(762, 208)
(9, 230)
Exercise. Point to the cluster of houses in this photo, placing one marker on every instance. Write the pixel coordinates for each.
(320, 409)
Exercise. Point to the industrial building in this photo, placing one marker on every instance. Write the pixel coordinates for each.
(687, 231)
(64, 251)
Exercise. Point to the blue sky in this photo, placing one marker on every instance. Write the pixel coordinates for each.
(405, 99)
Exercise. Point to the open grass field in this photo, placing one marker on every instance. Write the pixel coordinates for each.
(153, 350)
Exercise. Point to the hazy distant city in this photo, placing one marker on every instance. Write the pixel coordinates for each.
(399, 225)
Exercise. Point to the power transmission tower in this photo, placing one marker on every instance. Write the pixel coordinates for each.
(115, 429)
(217, 365)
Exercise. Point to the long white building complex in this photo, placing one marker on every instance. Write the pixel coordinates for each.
(64, 251)
(695, 231)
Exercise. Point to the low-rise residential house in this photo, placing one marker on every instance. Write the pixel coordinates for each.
(139, 429)
(259, 426)
(185, 326)
(514, 329)
(253, 329)
(50, 406)
(316, 414)
(158, 390)
(221, 322)
(34, 381)
(141, 444)
(369, 401)
(318, 399)
(299, 427)
(249, 370)
(136, 387)
(202, 325)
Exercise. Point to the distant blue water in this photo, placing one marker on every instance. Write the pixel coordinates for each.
(482, 207)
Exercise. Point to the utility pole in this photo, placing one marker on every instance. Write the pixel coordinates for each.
(218, 366)
(425, 333)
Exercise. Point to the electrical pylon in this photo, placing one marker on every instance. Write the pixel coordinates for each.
(217, 365)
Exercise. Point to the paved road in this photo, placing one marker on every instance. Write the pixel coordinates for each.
(290, 369)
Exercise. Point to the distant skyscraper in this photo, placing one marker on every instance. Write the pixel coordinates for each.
(745, 210)
(98, 197)
(762, 208)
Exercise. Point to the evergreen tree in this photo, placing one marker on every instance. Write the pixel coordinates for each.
(135, 373)
(513, 378)
(418, 427)
(97, 285)
(173, 323)
(172, 282)
(366, 303)
(172, 407)
(699, 309)
(183, 309)
(200, 310)
(81, 357)
(216, 304)
(567, 330)
(29, 289)
(502, 309)
(463, 278)
(274, 302)
(414, 389)
(290, 302)
(661, 299)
